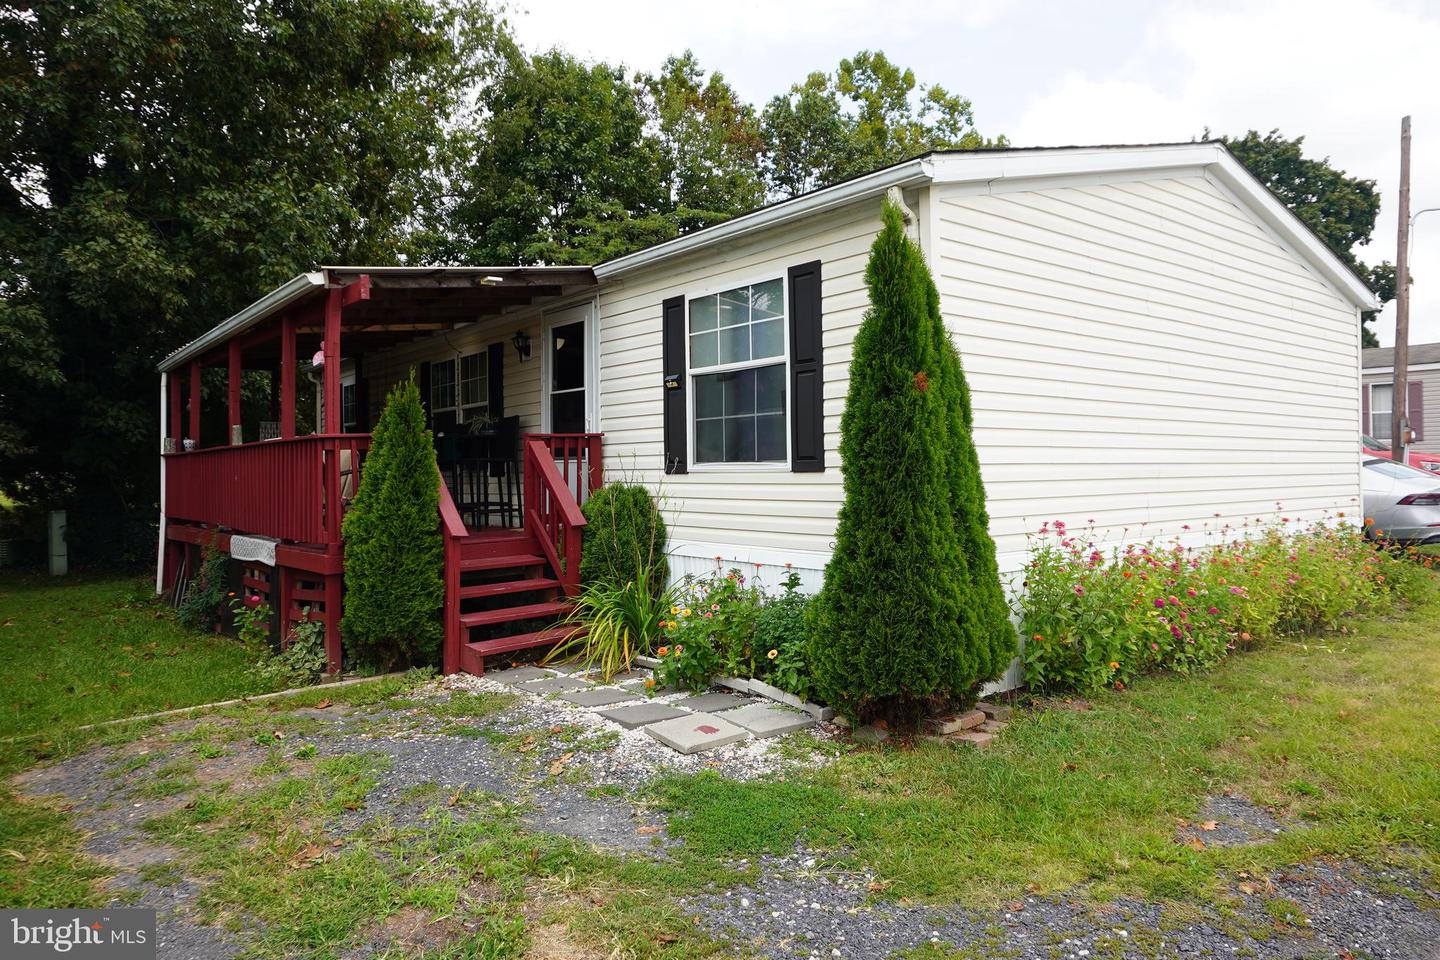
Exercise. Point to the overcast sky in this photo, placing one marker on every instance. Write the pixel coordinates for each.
(1051, 73)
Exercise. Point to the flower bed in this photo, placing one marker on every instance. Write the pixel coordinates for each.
(732, 626)
(1096, 616)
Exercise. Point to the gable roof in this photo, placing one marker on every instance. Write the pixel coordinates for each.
(1373, 358)
(1209, 157)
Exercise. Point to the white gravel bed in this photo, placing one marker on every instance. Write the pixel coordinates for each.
(638, 757)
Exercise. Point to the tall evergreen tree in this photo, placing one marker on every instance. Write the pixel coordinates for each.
(903, 621)
(394, 557)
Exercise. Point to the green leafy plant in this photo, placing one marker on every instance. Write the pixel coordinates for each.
(912, 612)
(625, 538)
(614, 623)
(252, 618)
(301, 660)
(203, 606)
(1100, 616)
(394, 560)
(719, 612)
(781, 639)
(687, 666)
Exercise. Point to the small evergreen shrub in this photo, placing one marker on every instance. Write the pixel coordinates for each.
(1098, 616)
(203, 606)
(908, 617)
(625, 538)
(394, 555)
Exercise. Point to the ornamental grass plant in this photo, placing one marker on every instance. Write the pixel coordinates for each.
(615, 623)
(1098, 615)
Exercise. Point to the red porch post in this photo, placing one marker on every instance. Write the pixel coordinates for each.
(177, 403)
(331, 349)
(287, 375)
(195, 402)
(234, 373)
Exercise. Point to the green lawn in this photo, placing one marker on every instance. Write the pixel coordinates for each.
(76, 650)
(1339, 733)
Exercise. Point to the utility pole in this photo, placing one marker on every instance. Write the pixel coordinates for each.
(1399, 420)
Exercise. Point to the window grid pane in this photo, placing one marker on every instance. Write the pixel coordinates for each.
(442, 386)
(740, 416)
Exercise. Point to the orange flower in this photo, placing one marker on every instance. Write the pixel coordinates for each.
(663, 651)
(1039, 639)
(650, 683)
(1369, 521)
(1114, 665)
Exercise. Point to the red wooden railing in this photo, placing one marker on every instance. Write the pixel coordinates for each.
(274, 488)
(552, 512)
(452, 530)
(577, 456)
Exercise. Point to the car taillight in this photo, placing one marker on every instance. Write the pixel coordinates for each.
(1431, 499)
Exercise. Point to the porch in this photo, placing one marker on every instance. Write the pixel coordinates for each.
(270, 484)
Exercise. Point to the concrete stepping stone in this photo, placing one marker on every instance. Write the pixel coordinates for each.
(711, 702)
(640, 714)
(598, 697)
(695, 732)
(519, 675)
(554, 685)
(768, 720)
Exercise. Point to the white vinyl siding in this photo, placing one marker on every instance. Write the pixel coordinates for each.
(772, 513)
(1141, 353)
(1145, 355)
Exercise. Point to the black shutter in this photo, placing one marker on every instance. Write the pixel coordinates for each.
(425, 393)
(807, 371)
(362, 404)
(672, 324)
(495, 361)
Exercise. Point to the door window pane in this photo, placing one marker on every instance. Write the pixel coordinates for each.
(567, 356)
(567, 412)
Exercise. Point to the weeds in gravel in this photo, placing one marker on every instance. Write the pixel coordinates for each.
(266, 856)
(1337, 734)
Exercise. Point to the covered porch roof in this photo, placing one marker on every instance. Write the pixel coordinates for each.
(398, 304)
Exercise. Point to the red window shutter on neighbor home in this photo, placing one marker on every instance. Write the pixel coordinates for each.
(1365, 425)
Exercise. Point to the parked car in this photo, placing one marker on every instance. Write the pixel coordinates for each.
(1420, 461)
(1402, 502)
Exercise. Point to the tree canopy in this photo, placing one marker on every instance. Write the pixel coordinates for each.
(1340, 209)
(165, 161)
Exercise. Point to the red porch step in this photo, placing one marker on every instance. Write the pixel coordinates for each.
(472, 655)
(529, 611)
(473, 564)
(502, 587)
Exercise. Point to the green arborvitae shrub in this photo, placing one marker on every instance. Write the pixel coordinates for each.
(903, 622)
(394, 555)
(625, 537)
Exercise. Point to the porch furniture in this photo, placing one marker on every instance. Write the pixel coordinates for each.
(482, 470)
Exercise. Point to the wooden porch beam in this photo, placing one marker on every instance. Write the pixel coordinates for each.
(355, 292)
(194, 432)
(331, 350)
(235, 375)
(381, 327)
(287, 375)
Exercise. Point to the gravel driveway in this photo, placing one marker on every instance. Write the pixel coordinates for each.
(581, 777)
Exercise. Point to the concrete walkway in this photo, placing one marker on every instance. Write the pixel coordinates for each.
(687, 724)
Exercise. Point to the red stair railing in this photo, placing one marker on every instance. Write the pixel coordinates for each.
(552, 511)
(452, 529)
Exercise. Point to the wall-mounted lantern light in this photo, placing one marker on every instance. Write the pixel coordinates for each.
(521, 340)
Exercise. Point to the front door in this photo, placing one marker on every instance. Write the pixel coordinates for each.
(567, 362)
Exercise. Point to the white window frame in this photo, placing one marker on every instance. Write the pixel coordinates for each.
(763, 466)
(464, 410)
(1389, 412)
(348, 382)
(454, 408)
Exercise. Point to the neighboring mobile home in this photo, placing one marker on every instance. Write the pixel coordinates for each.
(1377, 388)
(1153, 342)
